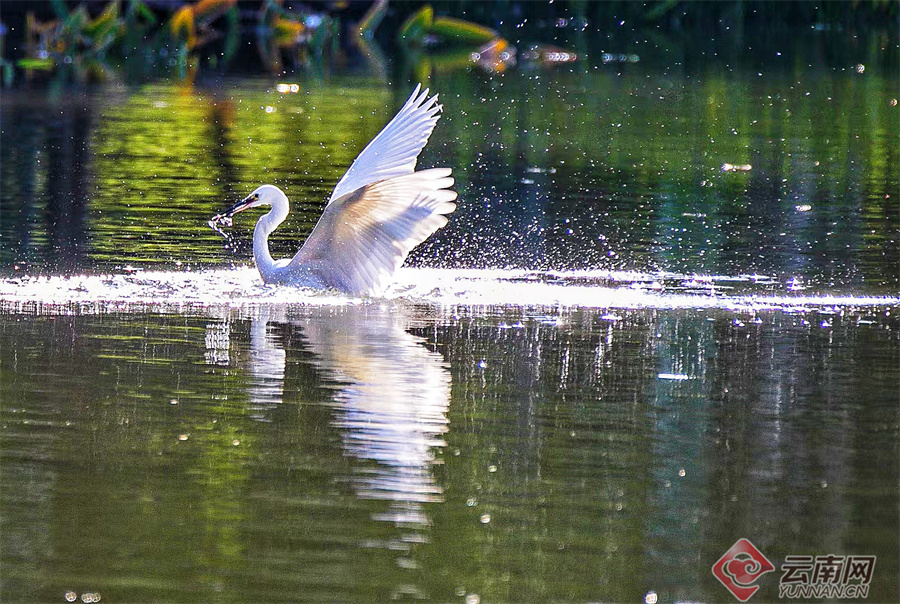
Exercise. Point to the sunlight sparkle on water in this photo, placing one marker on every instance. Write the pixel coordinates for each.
(673, 376)
(180, 291)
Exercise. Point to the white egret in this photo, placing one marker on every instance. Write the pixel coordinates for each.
(379, 211)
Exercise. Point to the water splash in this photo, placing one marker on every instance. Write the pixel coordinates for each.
(181, 291)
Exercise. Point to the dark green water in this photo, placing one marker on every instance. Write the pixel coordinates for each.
(589, 168)
(354, 453)
(426, 449)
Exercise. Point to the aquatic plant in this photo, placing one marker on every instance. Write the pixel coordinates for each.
(294, 36)
(191, 24)
(372, 19)
(422, 28)
(72, 36)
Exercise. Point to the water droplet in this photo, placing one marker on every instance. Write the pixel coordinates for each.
(473, 599)
(485, 518)
(183, 436)
(651, 597)
(681, 472)
(492, 468)
(174, 401)
(71, 596)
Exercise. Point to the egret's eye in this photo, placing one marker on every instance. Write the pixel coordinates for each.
(255, 197)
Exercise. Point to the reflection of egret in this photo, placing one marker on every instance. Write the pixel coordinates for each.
(379, 211)
(391, 405)
(267, 361)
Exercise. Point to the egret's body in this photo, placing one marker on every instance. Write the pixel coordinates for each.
(379, 211)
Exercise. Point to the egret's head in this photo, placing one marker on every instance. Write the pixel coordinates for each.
(262, 196)
(265, 195)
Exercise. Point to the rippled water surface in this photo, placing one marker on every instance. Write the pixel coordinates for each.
(371, 451)
(664, 317)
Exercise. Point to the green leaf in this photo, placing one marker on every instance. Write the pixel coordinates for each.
(45, 64)
(457, 30)
(416, 26)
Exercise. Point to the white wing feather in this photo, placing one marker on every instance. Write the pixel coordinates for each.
(393, 152)
(364, 236)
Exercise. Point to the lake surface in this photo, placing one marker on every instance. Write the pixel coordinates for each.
(665, 316)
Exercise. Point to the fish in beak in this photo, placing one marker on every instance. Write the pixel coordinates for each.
(224, 219)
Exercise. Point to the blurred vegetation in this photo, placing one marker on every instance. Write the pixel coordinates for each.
(143, 39)
(422, 24)
(139, 39)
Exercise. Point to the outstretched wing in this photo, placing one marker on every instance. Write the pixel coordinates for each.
(364, 236)
(394, 150)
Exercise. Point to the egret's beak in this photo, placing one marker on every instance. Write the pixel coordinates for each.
(240, 206)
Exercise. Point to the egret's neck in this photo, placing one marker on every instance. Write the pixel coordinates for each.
(264, 227)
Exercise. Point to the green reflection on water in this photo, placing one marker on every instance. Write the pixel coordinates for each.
(169, 158)
(586, 168)
(601, 479)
